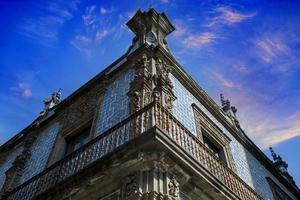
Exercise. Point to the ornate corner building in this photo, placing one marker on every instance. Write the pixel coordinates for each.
(142, 129)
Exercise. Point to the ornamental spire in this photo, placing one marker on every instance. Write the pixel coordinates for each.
(150, 27)
(281, 165)
(229, 110)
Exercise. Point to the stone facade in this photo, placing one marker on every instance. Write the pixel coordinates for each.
(40, 152)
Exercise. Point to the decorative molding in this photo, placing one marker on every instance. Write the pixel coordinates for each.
(151, 82)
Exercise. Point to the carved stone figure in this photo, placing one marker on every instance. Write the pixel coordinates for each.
(174, 187)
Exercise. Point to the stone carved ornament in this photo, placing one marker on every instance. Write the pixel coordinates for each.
(131, 186)
(147, 87)
(174, 187)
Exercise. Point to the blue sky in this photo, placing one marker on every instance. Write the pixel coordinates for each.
(249, 50)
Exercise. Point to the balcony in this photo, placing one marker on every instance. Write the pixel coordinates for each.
(153, 115)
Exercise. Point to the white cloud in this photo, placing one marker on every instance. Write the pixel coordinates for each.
(228, 16)
(22, 89)
(101, 34)
(181, 28)
(104, 11)
(82, 43)
(198, 41)
(269, 49)
(46, 27)
(226, 83)
(224, 16)
(90, 16)
(164, 1)
(272, 132)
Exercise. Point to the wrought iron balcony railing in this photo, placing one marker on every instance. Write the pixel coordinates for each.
(138, 123)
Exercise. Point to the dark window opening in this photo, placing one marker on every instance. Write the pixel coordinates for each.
(218, 152)
(77, 141)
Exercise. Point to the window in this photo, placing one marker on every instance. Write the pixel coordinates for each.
(216, 151)
(213, 137)
(77, 141)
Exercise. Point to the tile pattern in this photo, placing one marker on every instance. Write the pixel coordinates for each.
(248, 167)
(40, 152)
(115, 104)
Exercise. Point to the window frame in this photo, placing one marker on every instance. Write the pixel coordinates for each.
(80, 134)
(207, 128)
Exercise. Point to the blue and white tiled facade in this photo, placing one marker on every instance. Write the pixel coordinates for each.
(8, 163)
(115, 103)
(40, 152)
(248, 167)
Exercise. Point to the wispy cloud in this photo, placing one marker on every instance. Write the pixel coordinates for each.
(272, 132)
(223, 17)
(90, 16)
(243, 69)
(270, 48)
(101, 34)
(181, 28)
(46, 27)
(22, 89)
(228, 16)
(97, 24)
(164, 1)
(104, 11)
(82, 43)
(225, 82)
(198, 41)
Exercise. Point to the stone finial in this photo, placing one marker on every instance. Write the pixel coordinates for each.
(225, 103)
(279, 163)
(229, 110)
(281, 166)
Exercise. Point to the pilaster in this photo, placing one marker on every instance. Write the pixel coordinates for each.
(151, 184)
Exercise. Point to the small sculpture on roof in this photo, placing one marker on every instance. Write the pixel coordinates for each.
(51, 102)
(281, 166)
(229, 110)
